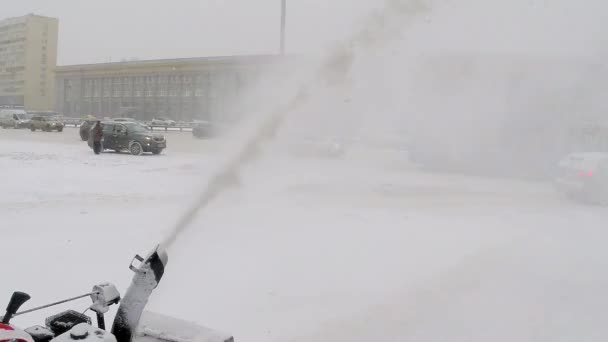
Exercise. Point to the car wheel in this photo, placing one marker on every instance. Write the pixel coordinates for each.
(135, 148)
(60, 129)
(83, 137)
(157, 151)
(33, 129)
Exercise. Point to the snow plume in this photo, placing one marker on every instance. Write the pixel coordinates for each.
(331, 71)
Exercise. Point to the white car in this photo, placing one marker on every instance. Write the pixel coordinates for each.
(162, 122)
(584, 177)
(327, 148)
(14, 119)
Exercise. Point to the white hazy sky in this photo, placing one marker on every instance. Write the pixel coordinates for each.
(99, 31)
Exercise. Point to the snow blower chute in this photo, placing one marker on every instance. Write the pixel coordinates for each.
(131, 323)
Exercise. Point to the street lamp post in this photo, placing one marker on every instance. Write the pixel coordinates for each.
(283, 15)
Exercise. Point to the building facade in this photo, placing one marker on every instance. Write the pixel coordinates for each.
(28, 55)
(180, 89)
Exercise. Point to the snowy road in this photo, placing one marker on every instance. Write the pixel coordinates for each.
(354, 250)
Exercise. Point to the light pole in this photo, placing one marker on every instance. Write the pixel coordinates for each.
(283, 14)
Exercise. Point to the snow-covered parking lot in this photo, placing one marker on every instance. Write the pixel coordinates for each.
(362, 249)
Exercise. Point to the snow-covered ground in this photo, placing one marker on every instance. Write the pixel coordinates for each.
(362, 249)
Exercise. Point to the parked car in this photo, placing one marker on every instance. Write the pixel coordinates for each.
(124, 120)
(46, 123)
(14, 119)
(163, 122)
(325, 148)
(85, 129)
(584, 177)
(133, 137)
(203, 129)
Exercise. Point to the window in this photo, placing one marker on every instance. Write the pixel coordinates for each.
(162, 91)
(107, 128)
(126, 86)
(88, 88)
(119, 129)
(107, 86)
(116, 87)
(149, 92)
(187, 92)
(173, 91)
(97, 88)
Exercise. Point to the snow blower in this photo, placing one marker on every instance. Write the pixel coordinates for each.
(131, 323)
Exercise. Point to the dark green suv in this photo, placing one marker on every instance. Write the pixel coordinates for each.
(130, 136)
(46, 123)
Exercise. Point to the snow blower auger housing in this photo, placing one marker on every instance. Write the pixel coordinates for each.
(131, 323)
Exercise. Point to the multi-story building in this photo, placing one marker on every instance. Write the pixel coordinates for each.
(180, 89)
(28, 55)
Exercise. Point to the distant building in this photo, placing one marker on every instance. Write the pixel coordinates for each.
(28, 55)
(180, 89)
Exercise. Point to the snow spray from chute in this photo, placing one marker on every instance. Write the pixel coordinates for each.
(381, 27)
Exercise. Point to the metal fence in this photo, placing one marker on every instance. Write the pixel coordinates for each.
(178, 126)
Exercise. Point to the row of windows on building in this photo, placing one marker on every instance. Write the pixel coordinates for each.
(8, 25)
(155, 86)
(43, 61)
(179, 110)
(174, 79)
(160, 91)
(7, 49)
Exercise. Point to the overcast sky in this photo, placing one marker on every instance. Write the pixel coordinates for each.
(100, 31)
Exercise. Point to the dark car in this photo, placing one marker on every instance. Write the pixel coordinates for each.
(46, 123)
(85, 129)
(202, 129)
(130, 136)
(584, 177)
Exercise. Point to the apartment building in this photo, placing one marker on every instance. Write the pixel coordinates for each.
(28, 56)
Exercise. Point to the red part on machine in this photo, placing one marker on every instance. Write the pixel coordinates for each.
(11, 334)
